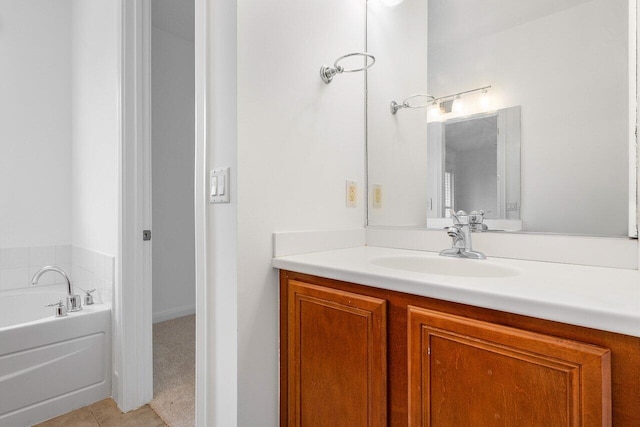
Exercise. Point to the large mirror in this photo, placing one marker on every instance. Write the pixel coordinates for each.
(473, 164)
(530, 114)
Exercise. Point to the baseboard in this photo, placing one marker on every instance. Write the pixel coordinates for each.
(174, 313)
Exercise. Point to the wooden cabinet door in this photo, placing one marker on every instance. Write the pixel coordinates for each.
(337, 358)
(464, 372)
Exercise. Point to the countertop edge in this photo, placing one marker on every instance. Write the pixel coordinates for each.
(623, 323)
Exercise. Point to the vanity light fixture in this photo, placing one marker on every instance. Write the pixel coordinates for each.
(434, 111)
(458, 105)
(443, 104)
(485, 100)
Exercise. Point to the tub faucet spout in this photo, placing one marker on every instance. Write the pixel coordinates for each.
(74, 303)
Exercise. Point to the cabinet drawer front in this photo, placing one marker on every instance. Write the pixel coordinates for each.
(336, 358)
(464, 372)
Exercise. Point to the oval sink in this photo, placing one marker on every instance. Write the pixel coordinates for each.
(446, 266)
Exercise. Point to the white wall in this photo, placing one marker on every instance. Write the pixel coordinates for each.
(173, 136)
(569, 72)
(35, 123)
(95, 129)
(299, 140)
(219, 387)
(397, 144)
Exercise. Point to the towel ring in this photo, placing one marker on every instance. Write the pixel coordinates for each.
(327, 73)
(405, 104)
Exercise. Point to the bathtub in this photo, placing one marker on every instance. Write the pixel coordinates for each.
(48, 365)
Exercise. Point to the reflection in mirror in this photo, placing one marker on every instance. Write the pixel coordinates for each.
(569, 66)
(473, 164)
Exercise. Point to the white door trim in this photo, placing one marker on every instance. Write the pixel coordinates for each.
(203, 384)
(133, 349)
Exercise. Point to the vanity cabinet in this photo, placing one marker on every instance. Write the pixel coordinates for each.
(337, 357)
(353, 355)
(463, 372)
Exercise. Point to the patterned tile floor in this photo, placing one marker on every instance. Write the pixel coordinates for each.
(105, 413)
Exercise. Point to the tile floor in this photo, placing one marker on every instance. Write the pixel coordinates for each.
(105, 413)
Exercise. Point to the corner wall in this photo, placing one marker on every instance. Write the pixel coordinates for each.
(35, 123)
(299, 140)
(95, 126)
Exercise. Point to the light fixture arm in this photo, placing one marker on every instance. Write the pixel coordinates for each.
(454, 95)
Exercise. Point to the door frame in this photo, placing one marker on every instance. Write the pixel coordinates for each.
(133, 314)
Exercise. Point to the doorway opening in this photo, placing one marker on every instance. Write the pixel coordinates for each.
(172, 105)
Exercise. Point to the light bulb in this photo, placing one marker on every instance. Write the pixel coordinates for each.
(434, 111)
(485, 100)
(458, 105)
(391, 3)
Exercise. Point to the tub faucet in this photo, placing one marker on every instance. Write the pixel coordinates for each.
(460, 234)
(74, 303)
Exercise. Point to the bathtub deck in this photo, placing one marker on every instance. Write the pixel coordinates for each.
(106, 413)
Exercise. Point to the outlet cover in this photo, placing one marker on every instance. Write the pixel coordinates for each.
(377, 196)
(352, 194)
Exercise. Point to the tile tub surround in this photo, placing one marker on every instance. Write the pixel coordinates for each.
(88, 269)
(595, 297)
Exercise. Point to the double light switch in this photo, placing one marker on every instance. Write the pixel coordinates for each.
(219, 185)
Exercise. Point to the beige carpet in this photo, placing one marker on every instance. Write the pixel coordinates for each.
(174, 371)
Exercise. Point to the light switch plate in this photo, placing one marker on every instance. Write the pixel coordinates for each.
(219, 185)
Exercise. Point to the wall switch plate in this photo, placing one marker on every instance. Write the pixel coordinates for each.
(377, 196)
(352, 194)
(219, 185)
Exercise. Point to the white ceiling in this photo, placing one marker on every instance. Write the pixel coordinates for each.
(453, 20)
(174, 16)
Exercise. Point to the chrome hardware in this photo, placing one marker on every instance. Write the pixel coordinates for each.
(406, 104)
(61, 310)
(327, 73)
(476, 223)
(460, 234)
(88, 298)
(73, 301)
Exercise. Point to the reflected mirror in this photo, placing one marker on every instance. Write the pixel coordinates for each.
(561, 73)
(473, 164)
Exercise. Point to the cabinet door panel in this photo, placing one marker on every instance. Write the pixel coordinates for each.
(336, 358)
(464, 372)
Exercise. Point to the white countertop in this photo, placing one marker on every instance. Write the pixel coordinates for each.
(595, 297)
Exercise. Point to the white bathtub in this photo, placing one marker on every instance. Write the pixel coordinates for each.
(50, 366)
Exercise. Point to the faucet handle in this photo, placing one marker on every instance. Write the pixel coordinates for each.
(460, 217)
(61, 310)
(476, 217)
(88, 298)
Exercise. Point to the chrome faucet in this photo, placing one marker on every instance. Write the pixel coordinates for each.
(460, 234)
(74, 303)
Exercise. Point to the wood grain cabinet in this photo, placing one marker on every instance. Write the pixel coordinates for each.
(464, 372)
(354, 355)
(337, 358)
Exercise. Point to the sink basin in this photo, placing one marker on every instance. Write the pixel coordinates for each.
(446, 266)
